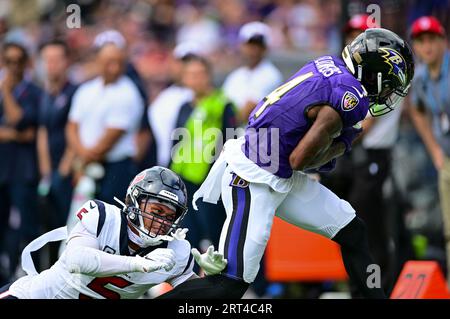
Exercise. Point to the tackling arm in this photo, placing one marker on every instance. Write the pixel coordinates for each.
(83, 256)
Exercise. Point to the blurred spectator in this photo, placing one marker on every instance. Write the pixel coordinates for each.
(116, 38)
(23, 12)
(162, 20)
(247, 85)
(103, 121)
(143, 157)
(260, 9)
(430, 97)
(19, 108)
(301, 24)
(232, 16)
(196, 26)
(163, 112)
(209, 109)
(357, 24)
(55, 158)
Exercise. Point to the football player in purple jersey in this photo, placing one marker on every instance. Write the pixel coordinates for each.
(302, 126)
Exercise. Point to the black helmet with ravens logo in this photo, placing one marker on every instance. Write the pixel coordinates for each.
(384, 64)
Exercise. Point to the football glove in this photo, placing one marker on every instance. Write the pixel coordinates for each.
(160, 258)
(327, 167)
(180, 233)
(212, 262)
(348, 135)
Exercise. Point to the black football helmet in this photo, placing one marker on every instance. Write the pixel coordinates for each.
(384, 65)
(156, 184)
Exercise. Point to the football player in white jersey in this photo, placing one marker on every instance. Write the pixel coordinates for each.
(120, 253)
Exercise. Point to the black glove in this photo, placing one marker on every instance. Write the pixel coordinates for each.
(347, 136)
(327, 167)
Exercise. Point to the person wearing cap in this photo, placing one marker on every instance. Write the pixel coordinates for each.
(355, 25)
(144, 156)
(103, 122)
(19, 105)
(258, 76)
(116, 38)
(431, 97)
(163, 111)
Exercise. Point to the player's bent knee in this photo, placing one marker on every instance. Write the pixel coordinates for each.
(353, 234)
(233, 288)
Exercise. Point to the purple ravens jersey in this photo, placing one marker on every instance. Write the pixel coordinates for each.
(279, 121)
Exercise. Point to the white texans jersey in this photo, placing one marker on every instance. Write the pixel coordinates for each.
(109, 226)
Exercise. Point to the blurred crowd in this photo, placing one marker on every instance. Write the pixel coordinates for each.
(112, 90)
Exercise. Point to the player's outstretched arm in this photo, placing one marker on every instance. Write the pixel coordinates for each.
(316, 147)
(83, 256)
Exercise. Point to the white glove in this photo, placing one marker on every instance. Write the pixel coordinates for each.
(212, 262)
(180, 233)
(160, 258)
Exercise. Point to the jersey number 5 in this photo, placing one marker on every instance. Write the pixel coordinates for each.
(276, 94)
(98, 285)
(81, 212)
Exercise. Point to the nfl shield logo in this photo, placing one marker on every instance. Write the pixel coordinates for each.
(349, 101)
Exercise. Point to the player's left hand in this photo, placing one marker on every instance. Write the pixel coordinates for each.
(180, 233)
(348, 135)
(327, 167)
(212, 262)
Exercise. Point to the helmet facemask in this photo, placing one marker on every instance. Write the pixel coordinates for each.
(386, 98)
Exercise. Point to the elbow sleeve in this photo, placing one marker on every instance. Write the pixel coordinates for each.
(83, 260)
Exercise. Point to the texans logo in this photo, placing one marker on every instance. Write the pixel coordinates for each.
(138, 178)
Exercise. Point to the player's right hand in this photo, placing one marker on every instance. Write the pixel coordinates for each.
(160, 258)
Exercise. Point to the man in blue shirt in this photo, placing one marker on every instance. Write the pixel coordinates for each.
(19, 105)
(55, 158)
(431, 96)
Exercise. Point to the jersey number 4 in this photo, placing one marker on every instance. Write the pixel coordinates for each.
(98, 285)
(276, 94)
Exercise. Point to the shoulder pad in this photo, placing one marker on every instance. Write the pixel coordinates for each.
(92, 216)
